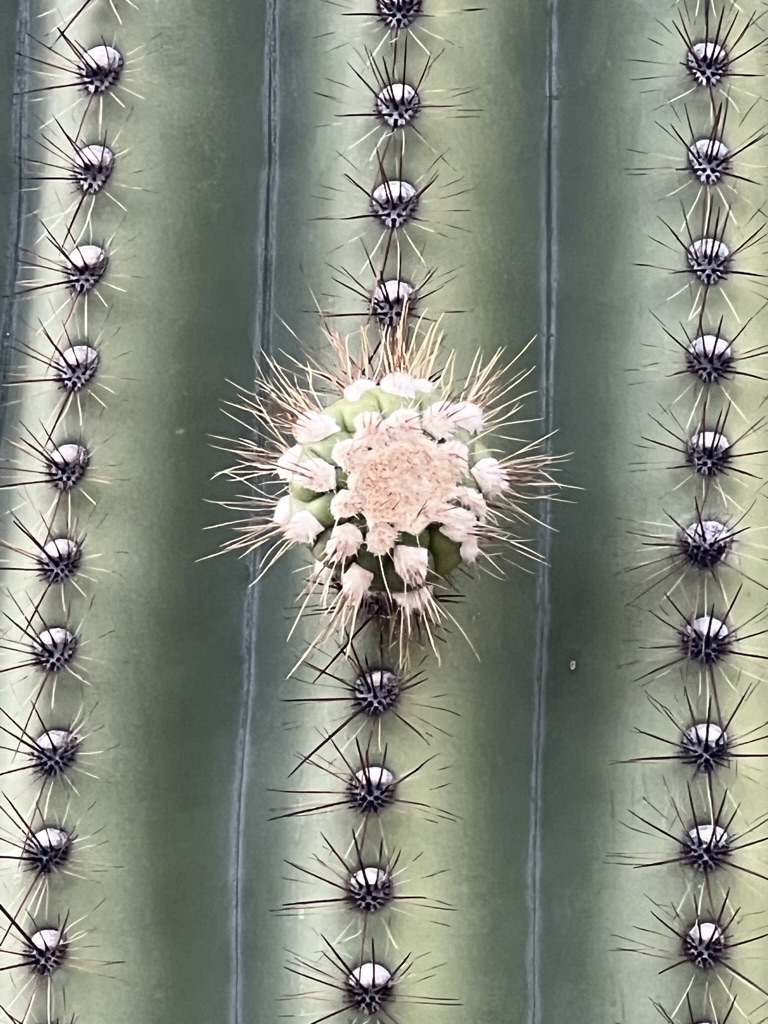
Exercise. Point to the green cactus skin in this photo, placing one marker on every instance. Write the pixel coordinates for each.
(163, 633)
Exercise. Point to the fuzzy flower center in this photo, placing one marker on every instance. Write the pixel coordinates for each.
(396, 475)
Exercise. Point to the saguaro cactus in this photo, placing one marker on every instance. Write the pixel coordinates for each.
(352, 776)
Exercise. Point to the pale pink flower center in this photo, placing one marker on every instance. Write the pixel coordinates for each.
(312, 427)
(491, 477)
(302, 528)
(400, 477)
(411, 564)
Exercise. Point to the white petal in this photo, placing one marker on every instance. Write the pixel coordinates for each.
(411, 564)
(437, 422)
(302, 528)
(381, 538)
(288, 461)
(344, 542)
(470, 550)
(492, 478)
(416, 601)
(404, 417)
(474, 501)
(314, 426)
(401, 384)
(468, 416)
(457, 448)
(443, 418)
(355, 390)
(316, 475)
(340, 453)
(366, 423)
(283, 511)
(458, 524)
(356, 583)
(343, 505)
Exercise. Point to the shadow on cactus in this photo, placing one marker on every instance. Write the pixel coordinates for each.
(385, 469)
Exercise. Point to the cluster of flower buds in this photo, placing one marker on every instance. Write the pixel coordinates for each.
(387, 473)
(390, 486)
